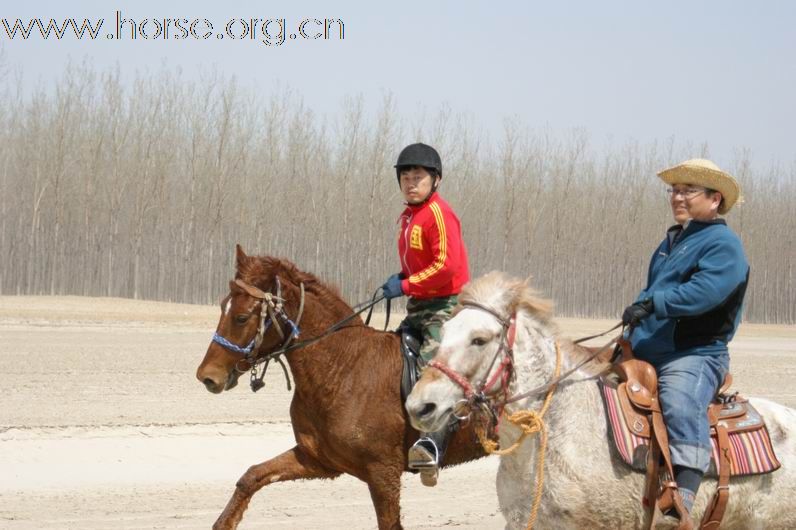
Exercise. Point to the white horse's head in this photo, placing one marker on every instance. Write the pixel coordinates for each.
(475, 341)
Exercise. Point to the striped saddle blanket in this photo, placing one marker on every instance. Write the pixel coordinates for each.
(751, 450)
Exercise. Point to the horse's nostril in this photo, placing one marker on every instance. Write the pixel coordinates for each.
(209, 383)
(428, 409)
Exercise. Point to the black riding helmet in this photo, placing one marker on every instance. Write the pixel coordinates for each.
(418, 155)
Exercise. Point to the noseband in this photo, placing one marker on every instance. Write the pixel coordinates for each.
(477, 395)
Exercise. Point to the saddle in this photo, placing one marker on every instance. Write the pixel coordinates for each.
(410, 352)
(640, 436)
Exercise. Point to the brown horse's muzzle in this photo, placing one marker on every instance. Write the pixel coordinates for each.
(218, 382)
(215, 373)
(211, 379)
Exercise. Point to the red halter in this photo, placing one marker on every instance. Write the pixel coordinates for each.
(502, 374)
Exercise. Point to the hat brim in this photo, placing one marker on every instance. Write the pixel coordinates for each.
(706, 177)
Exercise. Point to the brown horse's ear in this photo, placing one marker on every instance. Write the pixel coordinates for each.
(240, 256)
(233, 287)
(252, 291)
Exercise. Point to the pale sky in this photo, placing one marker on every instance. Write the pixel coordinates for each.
(717, 71)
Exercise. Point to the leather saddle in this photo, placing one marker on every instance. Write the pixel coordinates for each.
(637, 393)
(412, 362)
(640, 385)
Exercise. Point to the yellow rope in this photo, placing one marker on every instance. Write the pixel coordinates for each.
(529, 422)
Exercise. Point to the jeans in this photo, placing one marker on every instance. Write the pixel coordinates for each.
(686, 385)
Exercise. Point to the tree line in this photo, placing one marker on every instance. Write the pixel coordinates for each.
(141, 189)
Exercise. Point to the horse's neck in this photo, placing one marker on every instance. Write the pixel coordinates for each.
(575, 402)
(321, 307)
(310, 364)
(534, 364)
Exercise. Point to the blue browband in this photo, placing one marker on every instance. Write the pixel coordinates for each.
(248, 349)
(234, 347)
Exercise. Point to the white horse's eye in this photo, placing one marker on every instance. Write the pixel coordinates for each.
(478, 341)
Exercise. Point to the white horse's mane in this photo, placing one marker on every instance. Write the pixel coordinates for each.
(507, 295)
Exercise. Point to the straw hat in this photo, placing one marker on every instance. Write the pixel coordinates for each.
(701, 172)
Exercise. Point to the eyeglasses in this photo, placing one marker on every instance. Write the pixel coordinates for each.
(687, 193)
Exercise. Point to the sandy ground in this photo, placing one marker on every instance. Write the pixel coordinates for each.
(103, 425)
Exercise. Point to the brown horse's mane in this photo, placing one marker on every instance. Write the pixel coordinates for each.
(261, 270)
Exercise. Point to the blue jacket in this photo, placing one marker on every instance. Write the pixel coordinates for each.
(697, 280)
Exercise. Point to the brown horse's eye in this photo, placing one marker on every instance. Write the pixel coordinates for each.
(478, 341)
(241, 319)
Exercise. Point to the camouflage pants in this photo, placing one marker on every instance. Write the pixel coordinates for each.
(427, 318)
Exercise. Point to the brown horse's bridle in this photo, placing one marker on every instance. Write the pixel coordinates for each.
(272, 311)
(479, 394)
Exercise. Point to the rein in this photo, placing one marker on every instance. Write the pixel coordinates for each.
(271, 311)
(547, 386)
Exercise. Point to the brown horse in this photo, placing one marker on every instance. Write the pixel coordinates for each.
(347, 413)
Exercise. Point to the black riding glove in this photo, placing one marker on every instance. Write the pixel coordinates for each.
(637, 312)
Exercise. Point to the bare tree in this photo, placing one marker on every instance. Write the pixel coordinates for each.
(141, 189)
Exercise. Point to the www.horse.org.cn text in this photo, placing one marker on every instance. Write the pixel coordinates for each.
(268, 31)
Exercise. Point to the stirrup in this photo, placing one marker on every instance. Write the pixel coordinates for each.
(424, 457)
(670, 521)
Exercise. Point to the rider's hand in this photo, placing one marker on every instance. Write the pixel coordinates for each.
(392, 287)
(637, 312)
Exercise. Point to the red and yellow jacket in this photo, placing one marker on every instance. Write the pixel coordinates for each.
(433, 255)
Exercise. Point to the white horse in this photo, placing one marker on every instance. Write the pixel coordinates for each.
(585, 484)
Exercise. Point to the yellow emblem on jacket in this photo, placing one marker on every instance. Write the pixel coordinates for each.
(416, 238)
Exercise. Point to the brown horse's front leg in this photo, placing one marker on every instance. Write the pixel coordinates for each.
(290, 465)
(384, 484)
